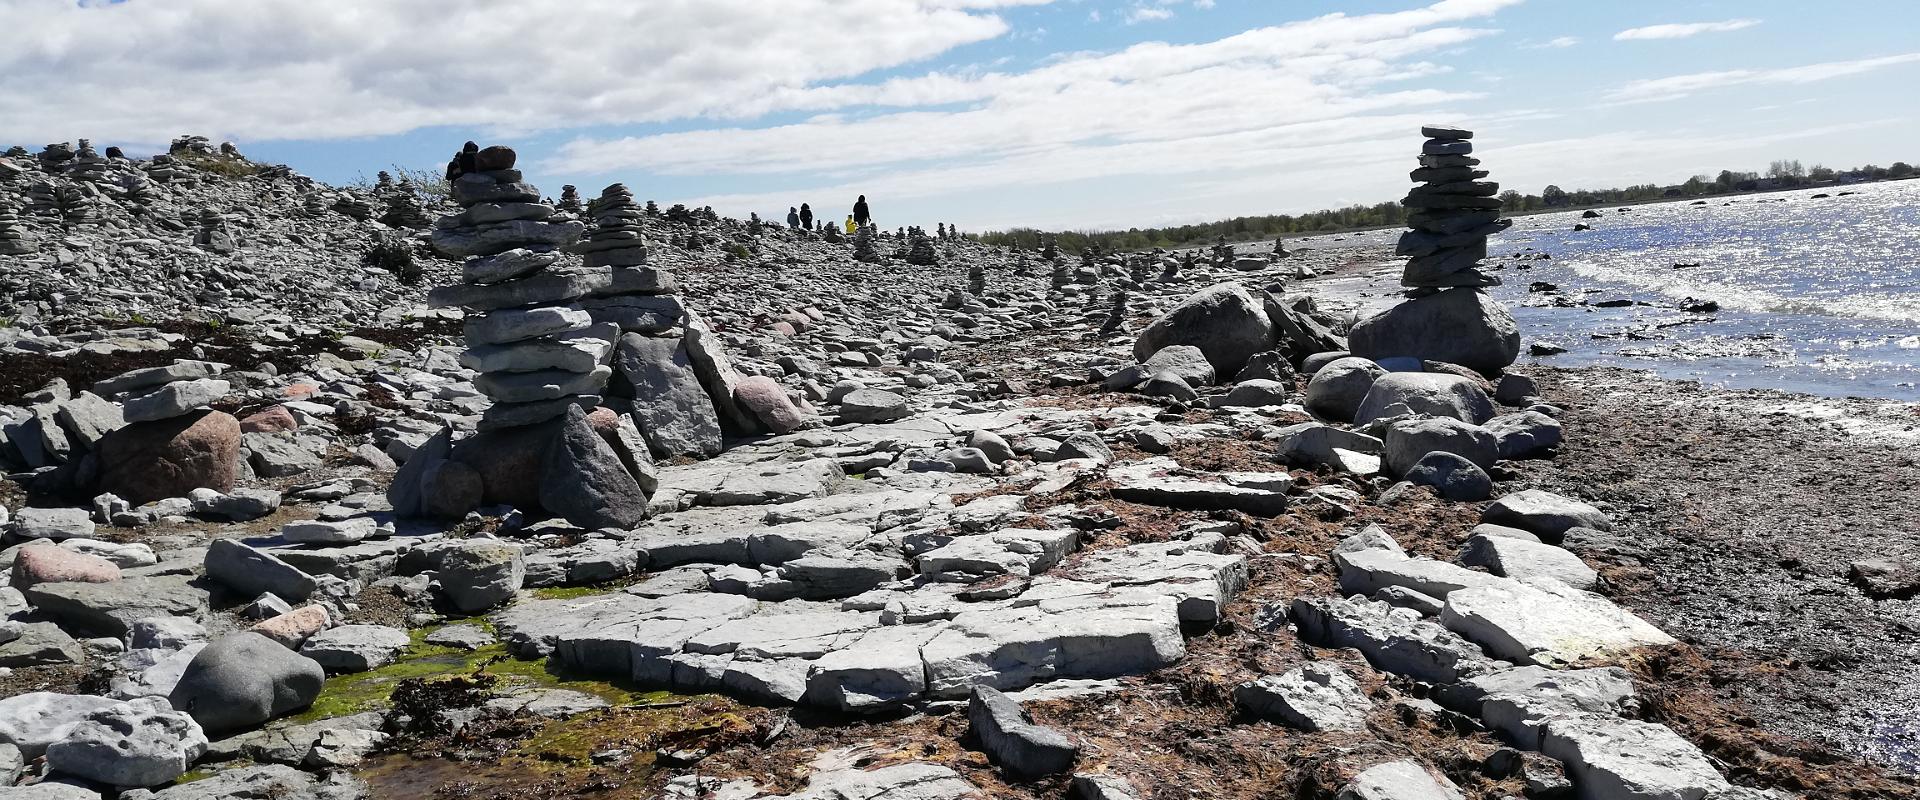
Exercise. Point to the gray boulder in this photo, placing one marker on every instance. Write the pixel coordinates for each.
(1432, 393)
(1337, 389)
(34, 720)
(1452, 477)
(1525, 434)
(1545, 514)
(1408, 441)
(1184, 361)
(250, 572)
(1459, 326)
(1226, 322)
(245, 679)
(355, 648)
(1011, 738)
(872, 405)
(476, 575)
(670, 405)
(1399, 780)
(583, 479)
(1256, 393)
(1317, 696)
(52, 523)
(131, 744)
(267, 782)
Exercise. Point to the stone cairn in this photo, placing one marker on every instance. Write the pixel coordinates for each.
(569, 200)
(526, 344)
(213, 234)
(88, 165)
(1447, 316)
(353, 205)
(316, 204)
(382, 183)
(166, 170)
(163, 393)
(1116, 314)
(977, 279)
(920, 250)
(1139, 269)
(403, 208)
(1061, 275)
(13, 236)
(139, 192)
(1451, 213)
(863, 246)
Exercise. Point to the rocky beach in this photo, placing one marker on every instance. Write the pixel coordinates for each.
(314, 492)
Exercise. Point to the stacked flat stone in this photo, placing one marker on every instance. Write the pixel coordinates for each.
(537, 353)
(161, 393)
(213, 233)
(166, 171)
(316, 203)
(1450, 214)
(637, 298)
(920, 250)
(403, 208)
(864, 246)
(139, 191)
(353, 205)
(54, 157)
(569, 200)
(13, 236)
(88, 165)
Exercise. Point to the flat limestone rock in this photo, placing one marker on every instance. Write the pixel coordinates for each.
(1400, 780)
(547, 286)
(1087, 636)
(541, 385)
(777, 483)
(1528, 561)
(1550, 624)
(1317, 696)
(1368, 571)
(573, 351)
(1608, 757)
(1521, 702)
(1195, 572)
(520, 324)
(1162, 481)
(1395, 640)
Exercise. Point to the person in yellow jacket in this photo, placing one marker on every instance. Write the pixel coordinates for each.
(851, 228)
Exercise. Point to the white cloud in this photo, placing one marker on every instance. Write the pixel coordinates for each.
(1684, 29)
(145, 70)
(1555, 43)
(1139, 14)
(1678, 86)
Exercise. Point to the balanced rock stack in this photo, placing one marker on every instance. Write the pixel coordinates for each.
(403, 208)
(167, 171)
(1447, 316)
(1451, 213)
(13, 236)
(569, 200)
(534, 363)
(182, 388)
(88, 165)
(637, 298)
(353, 205)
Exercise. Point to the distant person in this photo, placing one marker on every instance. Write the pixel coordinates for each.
(861, 216)
(793, 217)
(852, 227)
(806, 216)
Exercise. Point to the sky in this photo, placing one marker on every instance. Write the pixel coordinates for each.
(990, 114)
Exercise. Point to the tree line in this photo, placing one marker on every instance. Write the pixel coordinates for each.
(1785, 174)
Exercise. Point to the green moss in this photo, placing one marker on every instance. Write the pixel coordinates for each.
(353, 693)
(571, 592)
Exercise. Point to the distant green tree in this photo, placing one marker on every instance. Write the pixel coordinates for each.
(1900, 169)
(1554, 196)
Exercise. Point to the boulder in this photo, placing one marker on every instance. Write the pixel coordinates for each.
(293, 628)
(130, 745)
(54, 524)
(670, 405)
(35, 720)
(48, 564)
(1431, 393)
(1545, 514)
(1400, 780)
(767, 400)
(249, 571)
(1460, 326)
(1256, 393)
(1226, 322)
(1011, 738)
(1525, 434)
(1317, 696)
(1186, 362)
(1408, 441)
(245, 679)
(1528, 561)
(149, 461)
(583, 480)
(34, 644)
(1452, 477)
(872, 405)
(476, 575)
(1337, 389)
(355, 648)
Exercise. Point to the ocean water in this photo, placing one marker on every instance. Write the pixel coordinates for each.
(1814, 295)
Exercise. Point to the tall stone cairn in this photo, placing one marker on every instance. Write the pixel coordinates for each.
(403, 207)
(533, 348)
(1116, 314)
(1451, 214)
(1447, 315)
(139, 192)
(920, 250)
(863, 245)
(569, 200)
(213, 233)
(88, 165)
(353, 205)
(977, 279)
(13, 236)
(1061, 275)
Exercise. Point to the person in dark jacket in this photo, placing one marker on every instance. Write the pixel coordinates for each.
(861, 216)
(806, 216)
(793, 217)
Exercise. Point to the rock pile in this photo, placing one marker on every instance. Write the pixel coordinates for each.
(864, 246)
(353, 205)
(13, 237)
(88, 165)
(403, 208)
(569, 200)
(213, 233)
(1447, 316)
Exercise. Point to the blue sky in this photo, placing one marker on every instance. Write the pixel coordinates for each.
(987, 113)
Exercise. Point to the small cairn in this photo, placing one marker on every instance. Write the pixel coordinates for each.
(977, 279)
(1170, 267)
(316, 204)
(920, 250)
(166, 170)
(382, 183)
(863, 246)
(54, 157)
(13, 236)
(1049, 248)
(637, 298)
(524, 337)
(139, 192)
(1451, 213)
(62, 201)
(353, 205)
(162, 393)
(1139, 269)
(1022, 267)
(831, 234)
(1089, 271)
(1280, 249)
(1116, 315)
(213, 234)
(1061, 276)
(569, 200)
(403, 208)
(88, 165)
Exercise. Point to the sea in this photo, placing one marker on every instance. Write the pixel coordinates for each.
(1814, 291)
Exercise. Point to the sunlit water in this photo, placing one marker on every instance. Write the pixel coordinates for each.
(1816, 295)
